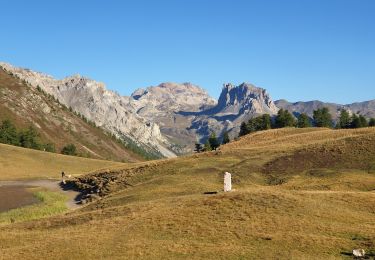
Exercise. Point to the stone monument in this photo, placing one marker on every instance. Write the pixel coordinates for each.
(227, 182)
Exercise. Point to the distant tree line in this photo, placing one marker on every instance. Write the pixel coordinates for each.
(29, 138)
(212, 143)
(321, 118)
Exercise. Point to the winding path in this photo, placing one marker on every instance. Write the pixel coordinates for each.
(51, 185)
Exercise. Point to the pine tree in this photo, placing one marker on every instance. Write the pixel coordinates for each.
(244, 130)
(30, 138)
(344, 120)
(284, 119)
(207, 146)
(363, 121)
(358, 121)
(303, 121)
(322, 118)
(372, 122)
(214, 143)
(226, 138)
(265, 122)
(198, 148)
(8, 133)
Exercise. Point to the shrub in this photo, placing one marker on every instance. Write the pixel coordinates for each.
(69, 149)
(198, 148)
(8, 133)
(29, 138)
(226, 138)
(214, 143)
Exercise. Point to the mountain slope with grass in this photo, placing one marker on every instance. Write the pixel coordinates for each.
(20, 163)
(26, 106)
(298, 193)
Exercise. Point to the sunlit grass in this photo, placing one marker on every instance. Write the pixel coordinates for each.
(49, 204)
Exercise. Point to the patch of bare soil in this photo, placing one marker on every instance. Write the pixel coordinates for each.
(14, 197)
(20, 186)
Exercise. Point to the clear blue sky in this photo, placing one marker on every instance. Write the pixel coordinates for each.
(297, 50)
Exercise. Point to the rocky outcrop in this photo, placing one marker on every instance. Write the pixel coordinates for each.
(235, 105)
(244, 99)
(163, 105)
(186, 113)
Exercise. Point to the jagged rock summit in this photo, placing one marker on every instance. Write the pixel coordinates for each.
(244, 99)
(235, 105)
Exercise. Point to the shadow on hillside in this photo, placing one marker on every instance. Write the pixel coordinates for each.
(70, 186)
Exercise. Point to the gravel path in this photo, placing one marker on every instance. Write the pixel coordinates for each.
(51, 185)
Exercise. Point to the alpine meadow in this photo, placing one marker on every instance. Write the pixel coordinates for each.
(150, 165)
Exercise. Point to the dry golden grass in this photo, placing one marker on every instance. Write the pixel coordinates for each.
(20, 163)
(317, 213)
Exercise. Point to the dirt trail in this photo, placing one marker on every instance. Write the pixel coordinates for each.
(51, 185)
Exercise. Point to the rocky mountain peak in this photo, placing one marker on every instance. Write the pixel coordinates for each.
(243, 99)
(171, 96)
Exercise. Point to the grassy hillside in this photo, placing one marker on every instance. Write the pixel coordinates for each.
(299, 194)
(20, 163)
(26, 106)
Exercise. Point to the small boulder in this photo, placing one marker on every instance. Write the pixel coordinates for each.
(359, 252)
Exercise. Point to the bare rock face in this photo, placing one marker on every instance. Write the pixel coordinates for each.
(186, 113)
(106, 108)
(174, 97)
(244, 99)
(163, 104)
(236, 104)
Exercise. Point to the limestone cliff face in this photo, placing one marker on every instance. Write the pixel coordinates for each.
(235, 105)
(186, 113)
(164, 103)
(106, 108)
(244, 99)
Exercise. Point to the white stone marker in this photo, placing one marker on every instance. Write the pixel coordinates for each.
(227, 182)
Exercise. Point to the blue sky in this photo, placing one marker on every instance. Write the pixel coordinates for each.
(296, 49)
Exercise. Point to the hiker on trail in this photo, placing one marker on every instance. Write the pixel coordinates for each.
(63, 177)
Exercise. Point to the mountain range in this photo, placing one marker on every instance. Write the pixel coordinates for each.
(169, 118)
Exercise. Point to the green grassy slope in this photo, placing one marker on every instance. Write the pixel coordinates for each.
(318, 210)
